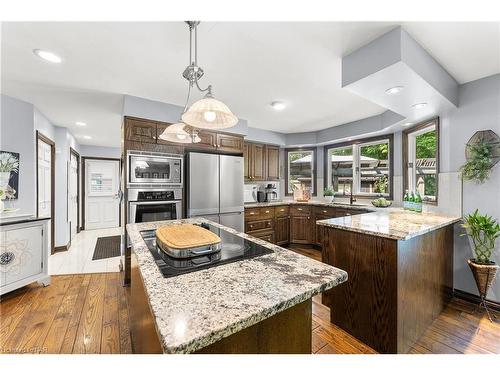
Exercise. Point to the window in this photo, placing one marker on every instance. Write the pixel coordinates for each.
(300, 169)
(421, 161)
(363, 166)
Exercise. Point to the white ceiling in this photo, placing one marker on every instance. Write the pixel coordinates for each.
(249, 64)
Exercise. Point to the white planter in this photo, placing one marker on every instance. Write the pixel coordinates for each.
(4, 179)
(328, 198)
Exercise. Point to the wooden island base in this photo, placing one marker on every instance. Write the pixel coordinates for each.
(396, 288)
(288, 332)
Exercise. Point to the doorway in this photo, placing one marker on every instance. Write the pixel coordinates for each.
(45, 182)
(101, 193)
(74, 194)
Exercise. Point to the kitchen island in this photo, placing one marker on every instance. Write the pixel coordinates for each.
(400, 267)
(257, 305)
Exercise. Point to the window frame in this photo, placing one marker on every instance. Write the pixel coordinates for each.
(313, 169)
(356, 180)
(420, 128)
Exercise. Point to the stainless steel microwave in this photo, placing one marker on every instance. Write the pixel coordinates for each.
(151, 168)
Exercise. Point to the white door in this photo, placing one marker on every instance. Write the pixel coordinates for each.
(73, 194)
(44, 179)
(102, 204)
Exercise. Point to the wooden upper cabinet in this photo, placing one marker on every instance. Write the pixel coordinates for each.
(273, 162)
(141, 130)
(230, 143)
(258, 157)
(208, 140)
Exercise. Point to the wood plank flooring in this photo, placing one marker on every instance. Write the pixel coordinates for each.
(88, 313)
(84, 313)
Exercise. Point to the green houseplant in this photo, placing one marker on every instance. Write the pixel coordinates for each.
(479, 163)
(328, 194)
(483, 230)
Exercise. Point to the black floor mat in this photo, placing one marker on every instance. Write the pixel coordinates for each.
(107, 247)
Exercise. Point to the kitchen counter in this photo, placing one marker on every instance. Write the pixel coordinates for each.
(195, 310)
(311, 203)
(393, 223)
(18, 218)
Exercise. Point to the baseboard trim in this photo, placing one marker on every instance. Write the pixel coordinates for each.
(469, 297)
(58, 249)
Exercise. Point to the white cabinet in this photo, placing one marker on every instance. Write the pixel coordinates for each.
(23, 254)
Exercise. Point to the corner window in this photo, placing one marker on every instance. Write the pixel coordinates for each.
(300, 169)
(421, 160)
(362, 166)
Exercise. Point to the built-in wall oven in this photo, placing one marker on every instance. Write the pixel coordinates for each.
(153, 168)
(154, 204)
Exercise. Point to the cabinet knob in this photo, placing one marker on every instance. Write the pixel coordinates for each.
(251, 225)
(6, 258)
(324, 211)
(267, 211)
(299, 209)
(252, 213)
(308, 217)
(282, 210)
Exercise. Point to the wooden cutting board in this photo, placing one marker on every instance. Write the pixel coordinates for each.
(185, 236)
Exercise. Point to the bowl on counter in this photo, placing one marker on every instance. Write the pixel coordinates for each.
(381, 203)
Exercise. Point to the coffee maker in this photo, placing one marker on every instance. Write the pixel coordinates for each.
(271, 194)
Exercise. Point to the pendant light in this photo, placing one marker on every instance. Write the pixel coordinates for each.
(206, 113)
(180, 133)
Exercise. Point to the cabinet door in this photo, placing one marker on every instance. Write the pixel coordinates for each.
(247, 160)
(230, 143)
(258, 155)
(140, 130)
(282, 230)
(301, 230)
(273, 162)
(24, 247)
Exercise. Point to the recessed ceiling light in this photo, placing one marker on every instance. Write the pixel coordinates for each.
(278, 106)
(407, 124)
(80, 123)
(47, 56)
(419, 105)
(87, 137)
(394, 90)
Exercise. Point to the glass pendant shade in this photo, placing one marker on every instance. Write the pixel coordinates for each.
(176, 133)
(209, 113)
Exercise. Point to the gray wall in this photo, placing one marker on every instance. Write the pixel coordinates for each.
(16, 134)
(100, 151)
(479, 109)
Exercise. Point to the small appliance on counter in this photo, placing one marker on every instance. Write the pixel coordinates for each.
(261, 197)
(231, 248)
(250, 193)
(271, 194)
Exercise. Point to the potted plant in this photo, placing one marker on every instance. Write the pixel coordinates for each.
(479, 162)
(8, 163)
(483, 230)
(328, 194)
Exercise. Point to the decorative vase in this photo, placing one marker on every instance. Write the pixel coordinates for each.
(4, 179)
(484, 275)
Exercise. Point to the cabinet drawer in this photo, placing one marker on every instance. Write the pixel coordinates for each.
(266, 235)
(267, 213)
(300, 210)
(325, 211)
(281, 211)
(252, 213)
(258, 225)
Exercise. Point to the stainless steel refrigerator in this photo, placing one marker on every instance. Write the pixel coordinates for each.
(215, 188)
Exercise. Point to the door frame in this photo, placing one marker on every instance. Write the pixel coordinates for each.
(52, 144)
(72, 151)
(84, 180)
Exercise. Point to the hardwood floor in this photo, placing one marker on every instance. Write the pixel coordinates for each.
(83, 313)
(88, 313)
(459, 329)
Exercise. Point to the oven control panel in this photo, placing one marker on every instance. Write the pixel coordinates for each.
(167, 195)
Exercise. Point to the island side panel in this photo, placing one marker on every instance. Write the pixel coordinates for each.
(288, 332)
(366, 304)
(145, 338)
(425, 283)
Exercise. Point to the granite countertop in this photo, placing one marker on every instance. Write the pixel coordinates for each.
(311, 203)
(393, 223)
(197, 309)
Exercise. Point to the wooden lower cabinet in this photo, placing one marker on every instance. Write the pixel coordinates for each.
(301, 230)
(265, 235)
(282, 230)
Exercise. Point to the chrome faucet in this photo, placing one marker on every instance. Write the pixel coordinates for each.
(351, 197)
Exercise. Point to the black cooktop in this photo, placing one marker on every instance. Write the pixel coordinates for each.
(233, 249)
